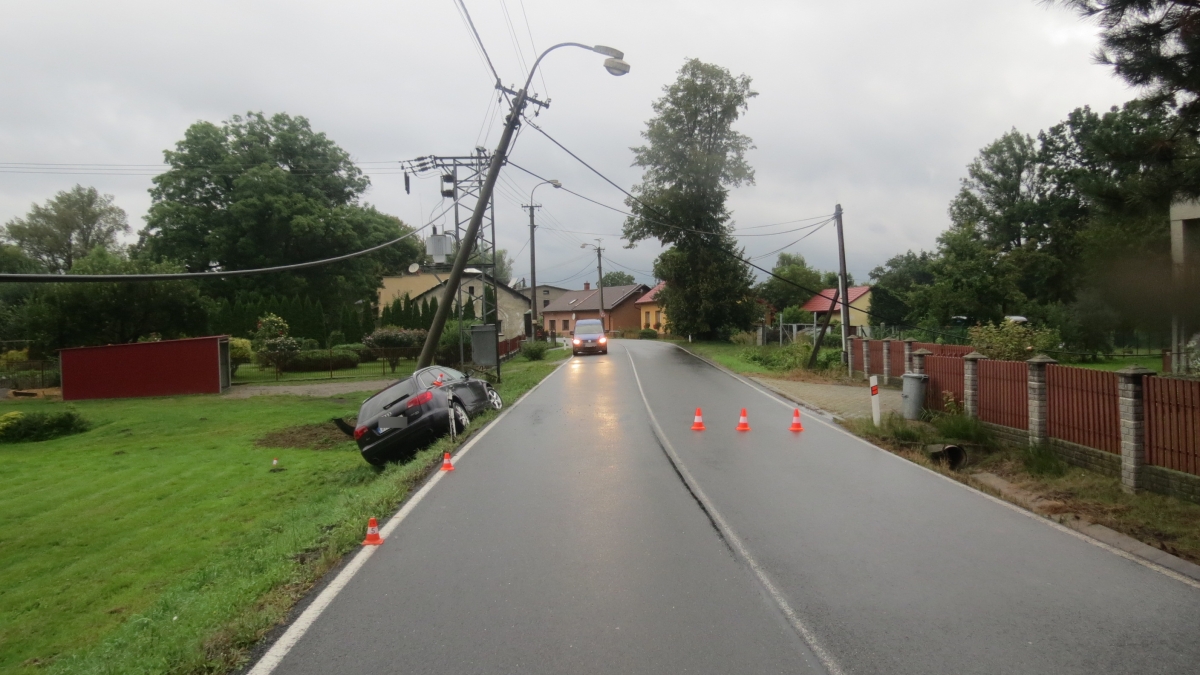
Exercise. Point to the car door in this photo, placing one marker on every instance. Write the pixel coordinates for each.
(458, 384)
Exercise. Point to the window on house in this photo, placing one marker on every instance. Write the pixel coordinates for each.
(566, 324)
(545, 291)
(471, 290)
(545, 303)
(551, 325)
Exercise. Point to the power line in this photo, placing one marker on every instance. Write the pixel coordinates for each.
(478, 41)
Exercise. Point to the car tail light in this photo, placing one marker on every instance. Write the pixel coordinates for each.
(603, 340)
(358, 432)
(576, 341)
(420, 399)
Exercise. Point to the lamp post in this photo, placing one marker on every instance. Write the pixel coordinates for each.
(600, 283)
(533, 296)
(615, 66)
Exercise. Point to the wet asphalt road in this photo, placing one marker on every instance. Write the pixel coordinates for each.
(567, 542)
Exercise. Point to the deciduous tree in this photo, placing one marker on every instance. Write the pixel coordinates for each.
(68, 227)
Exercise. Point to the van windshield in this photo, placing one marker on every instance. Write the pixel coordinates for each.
(588, 328)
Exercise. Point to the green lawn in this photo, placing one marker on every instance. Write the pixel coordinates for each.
(1151, 361)
(727, 354)
(161, 541)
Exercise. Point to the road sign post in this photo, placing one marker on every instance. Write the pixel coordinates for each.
(875, 399)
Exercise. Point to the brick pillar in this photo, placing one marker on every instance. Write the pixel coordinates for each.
(971, 383)
(1133, 425)
(887, 359)
(908, 353)
(1038, 403)
(918, 360)
(866, 347)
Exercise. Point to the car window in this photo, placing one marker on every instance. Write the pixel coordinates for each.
(582, 328)
(376, 404)
(452, 374)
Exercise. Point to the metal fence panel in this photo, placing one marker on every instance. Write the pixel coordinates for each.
(1173, 423)
(945, 376)
(1083, 407)
(944, 350)
(897, 358)
(876, 349)
(1004, 393)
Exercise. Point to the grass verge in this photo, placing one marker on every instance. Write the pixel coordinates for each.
(163, 541)
(1170, 524)
(733, 357)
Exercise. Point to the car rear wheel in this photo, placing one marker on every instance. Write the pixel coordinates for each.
(458, 419)
(494, 399)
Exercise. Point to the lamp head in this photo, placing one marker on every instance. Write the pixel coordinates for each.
(616, 66)
(555, 183)
(609, 51)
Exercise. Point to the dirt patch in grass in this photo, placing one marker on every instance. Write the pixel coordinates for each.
(320, 436)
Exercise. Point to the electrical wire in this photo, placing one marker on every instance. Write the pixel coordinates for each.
(533, 45)
(478, 41)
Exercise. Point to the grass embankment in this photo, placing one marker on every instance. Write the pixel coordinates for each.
(162, 541)
(1170, 524)
(734, 357)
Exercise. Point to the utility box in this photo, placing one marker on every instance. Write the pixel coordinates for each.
(483, 345)
(913, 395)
(166, 368)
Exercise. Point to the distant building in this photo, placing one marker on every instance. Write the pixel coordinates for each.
(860, 303)
(427, 285)
(621, 312)
(546, 294)
(651, 311)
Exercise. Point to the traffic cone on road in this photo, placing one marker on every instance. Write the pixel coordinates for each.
(743, 423)
(698, 425)
(373, 538)
(796, 425)
(446, 465)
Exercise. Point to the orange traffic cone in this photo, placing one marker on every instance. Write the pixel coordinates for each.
(373, 538)
(698, 425)
(446, 465)
(743, 423)
(796, 426)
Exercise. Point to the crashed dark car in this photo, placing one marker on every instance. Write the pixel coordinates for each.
(417, 410)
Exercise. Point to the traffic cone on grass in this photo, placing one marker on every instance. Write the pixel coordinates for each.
(446, 465)
(698, 425)
(373, 538)
(796, 425)
(743, 423)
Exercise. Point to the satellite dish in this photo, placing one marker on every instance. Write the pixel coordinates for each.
(414, 268)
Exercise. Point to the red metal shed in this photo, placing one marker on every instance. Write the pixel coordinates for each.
(189, 366)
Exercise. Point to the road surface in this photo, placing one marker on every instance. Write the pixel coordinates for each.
(573, 538)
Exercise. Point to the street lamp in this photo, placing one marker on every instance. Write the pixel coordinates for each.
(615, 65)
(600, 282)
(533, 296)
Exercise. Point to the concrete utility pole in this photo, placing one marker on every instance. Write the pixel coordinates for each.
(842, 290)
(615, 65)
(533, 296)
(600, 283)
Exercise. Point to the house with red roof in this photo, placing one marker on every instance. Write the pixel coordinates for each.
(860, 303)
(620, 312)
(651, 311)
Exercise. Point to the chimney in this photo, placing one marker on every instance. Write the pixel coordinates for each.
(587, 285)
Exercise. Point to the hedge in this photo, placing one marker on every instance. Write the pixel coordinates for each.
(319, 359)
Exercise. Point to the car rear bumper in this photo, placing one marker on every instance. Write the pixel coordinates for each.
(397, 443)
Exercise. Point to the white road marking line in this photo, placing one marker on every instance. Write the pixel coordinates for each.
(797, 624)
(308, 617)
(1028, 514)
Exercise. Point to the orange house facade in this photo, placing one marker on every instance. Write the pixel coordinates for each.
(620, 308)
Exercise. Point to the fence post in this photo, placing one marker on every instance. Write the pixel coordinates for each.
(971, 383)
(1130, 390)
(866, 347)
(1038, 399)
(918, 360)
(908, 356)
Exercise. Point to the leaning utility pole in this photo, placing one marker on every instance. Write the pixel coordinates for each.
(533, 296)
(600, 271)
(837, 214)
(468, 240)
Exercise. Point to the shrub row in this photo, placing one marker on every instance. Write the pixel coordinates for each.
(320, 359)
(21, 427)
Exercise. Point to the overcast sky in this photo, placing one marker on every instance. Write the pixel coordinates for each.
(877, 105)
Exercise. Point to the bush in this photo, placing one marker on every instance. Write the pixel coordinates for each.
(647, 334)
(534, 351)
(239, 353)
(19, 427)
(319, 359)
(336, 337)
(447, 351)
(277, 351)
(1011, 341)
(309, 344)
(744, 338)
(958, 427)
(270, 326)
(365, 353)
(394, 343)
(789, 357)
